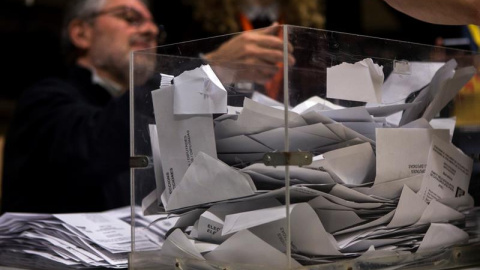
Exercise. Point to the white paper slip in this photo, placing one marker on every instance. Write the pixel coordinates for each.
(403, 152)
(361, 81)
(180, 137)
(352, 165)
(426, 95)
(392, 189)
(177, 245)
(442, 235)
(305, 175)
(447, 173)
(351, 194)
(382, 111)
(210, 180)
(256, 118)
(210, 223)
(157, 163)
(199, 91)
(372, 224)
(353, 114)
(246, 248)
(458, 203)
(265, 100)
(307, 229)
(336, 220)
(448, 91)
(103, 229)
(409, 210)
(397, 86)
(437, 212)
(315, 103)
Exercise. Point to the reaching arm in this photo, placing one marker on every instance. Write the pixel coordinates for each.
(450, 12)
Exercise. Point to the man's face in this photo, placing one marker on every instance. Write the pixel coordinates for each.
(120, 27)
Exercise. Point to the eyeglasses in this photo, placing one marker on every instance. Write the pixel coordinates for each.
(130, 15)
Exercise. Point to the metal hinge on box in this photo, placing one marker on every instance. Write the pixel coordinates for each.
(139, 162)
(287, 158)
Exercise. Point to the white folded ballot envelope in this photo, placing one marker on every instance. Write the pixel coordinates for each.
(180, 137)
(447, 173)
(199, 91)
(209, 180)
(183, 115)
(403, 152)
(361, 81)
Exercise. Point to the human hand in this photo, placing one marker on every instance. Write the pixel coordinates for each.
(252, 56)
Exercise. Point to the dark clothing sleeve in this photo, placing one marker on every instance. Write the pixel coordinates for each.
(67, 150)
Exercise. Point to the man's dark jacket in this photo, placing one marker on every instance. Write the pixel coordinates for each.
(67, 149)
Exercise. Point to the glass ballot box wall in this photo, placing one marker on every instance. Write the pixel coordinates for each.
(338, 155)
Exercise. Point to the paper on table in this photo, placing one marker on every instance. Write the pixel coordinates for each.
(177, 245)
(361, 81)
(409, 210)
(180, 138)
(447, 173)
(103, 229)
(403, 152)
(246, 248)
(199, 91)
(442, 235)
(211, 180)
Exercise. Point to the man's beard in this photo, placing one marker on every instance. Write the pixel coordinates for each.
(144, 66)
(118, 65)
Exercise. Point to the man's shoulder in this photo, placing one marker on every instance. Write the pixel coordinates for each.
(52, 85)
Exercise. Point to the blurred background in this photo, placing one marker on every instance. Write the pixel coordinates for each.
(30, 31)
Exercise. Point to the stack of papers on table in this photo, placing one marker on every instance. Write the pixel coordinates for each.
(80, 240)
(372, 186)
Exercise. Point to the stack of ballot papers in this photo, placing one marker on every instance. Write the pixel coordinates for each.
(373, 185)
(80, 240)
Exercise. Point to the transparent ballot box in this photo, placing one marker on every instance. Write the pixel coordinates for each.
(321, 150)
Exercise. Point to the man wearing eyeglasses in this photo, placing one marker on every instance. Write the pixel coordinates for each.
(67, 149)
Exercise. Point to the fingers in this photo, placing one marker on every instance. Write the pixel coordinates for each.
(269, 56)
(256, 73)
